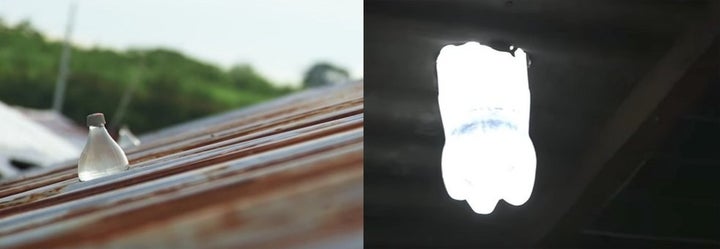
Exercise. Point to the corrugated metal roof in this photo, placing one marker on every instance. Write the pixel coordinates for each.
(284, 174)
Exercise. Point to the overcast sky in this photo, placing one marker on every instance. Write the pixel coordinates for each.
(281, 39)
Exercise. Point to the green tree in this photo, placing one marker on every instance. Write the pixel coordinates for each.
(324, 73)
(245, 77)
(172, 88)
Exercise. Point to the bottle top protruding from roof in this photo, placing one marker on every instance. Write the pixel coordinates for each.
(96, 119)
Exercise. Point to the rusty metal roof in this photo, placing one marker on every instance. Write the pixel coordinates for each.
(283, 174)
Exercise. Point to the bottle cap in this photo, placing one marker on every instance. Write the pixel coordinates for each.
(96, 119)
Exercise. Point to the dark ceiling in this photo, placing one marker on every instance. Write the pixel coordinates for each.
(624, 118)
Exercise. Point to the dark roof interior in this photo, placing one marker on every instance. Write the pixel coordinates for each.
(624, 120)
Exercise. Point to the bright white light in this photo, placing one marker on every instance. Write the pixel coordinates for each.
(484, 103)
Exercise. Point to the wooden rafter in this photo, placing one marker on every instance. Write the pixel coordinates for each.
(641, 121)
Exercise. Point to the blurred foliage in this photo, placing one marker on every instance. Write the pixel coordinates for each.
(171, 88)
(323, 74)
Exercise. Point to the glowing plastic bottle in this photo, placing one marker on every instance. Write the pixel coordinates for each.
(484, 104)
(101, 156)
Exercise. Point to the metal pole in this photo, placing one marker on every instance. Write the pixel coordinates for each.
(128, 94)
(61, 82)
